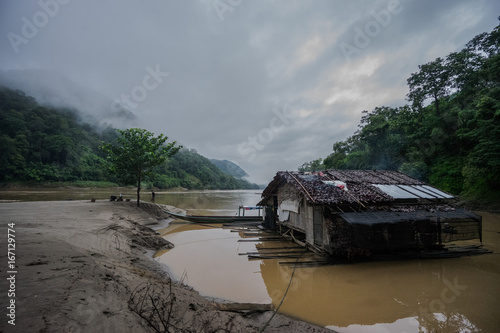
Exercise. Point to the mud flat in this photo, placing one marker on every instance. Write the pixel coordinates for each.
(82, 266)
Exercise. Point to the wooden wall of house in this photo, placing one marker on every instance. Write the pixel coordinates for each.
(308, 221)
(304, 220)
(297, 221)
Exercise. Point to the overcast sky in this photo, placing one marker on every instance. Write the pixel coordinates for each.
(265, 84)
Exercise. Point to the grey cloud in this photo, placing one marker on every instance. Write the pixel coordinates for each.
(226, 76)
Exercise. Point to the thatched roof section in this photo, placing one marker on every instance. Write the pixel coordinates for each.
(360, 185)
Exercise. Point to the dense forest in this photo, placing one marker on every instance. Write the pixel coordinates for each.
(448, 134)
(41, 145)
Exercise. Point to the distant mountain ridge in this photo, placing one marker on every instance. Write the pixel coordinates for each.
(230, 168)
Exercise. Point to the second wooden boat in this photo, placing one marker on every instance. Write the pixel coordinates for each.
(215, 219)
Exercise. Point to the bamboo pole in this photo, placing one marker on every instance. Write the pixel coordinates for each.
(310, 197)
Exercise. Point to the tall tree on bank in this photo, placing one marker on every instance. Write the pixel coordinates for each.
(136, 154)
(432, 81)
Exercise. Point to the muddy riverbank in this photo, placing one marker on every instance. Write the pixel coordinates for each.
(86, 267)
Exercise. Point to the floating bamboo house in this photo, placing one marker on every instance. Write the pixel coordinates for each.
(358, 213)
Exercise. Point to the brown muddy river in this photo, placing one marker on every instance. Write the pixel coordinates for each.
(438, 295)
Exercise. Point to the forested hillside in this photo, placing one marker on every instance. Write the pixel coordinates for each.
(230, 168)
(43, 144)
(189, 169)
(40, 144)
(452, 141)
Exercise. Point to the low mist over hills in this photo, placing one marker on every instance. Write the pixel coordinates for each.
(41, 144)
(55, 90)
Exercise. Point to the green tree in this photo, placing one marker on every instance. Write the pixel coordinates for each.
(136, 154)
(482, 168)
(314, 165)
(432, 81)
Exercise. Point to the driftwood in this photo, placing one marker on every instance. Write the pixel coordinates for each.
(242, 307)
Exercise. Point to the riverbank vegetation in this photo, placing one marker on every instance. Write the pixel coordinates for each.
(44, 146)
(452, 141)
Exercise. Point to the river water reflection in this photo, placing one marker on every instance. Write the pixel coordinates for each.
(439, 295)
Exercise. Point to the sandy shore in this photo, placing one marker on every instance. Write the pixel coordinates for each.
(88, 267)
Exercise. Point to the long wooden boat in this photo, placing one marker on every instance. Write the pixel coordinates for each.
(215, 219)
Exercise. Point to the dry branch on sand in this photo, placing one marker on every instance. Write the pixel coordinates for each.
(154, 303)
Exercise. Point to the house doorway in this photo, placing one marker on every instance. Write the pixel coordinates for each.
(318, 225)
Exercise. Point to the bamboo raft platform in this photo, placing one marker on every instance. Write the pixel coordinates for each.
(263, 256)
(447, 252)
(271, 252)
(263, 239)
(280, 248)
(306, 263)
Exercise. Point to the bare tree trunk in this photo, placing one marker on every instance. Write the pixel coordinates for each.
(138, 189)
(436, 101)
